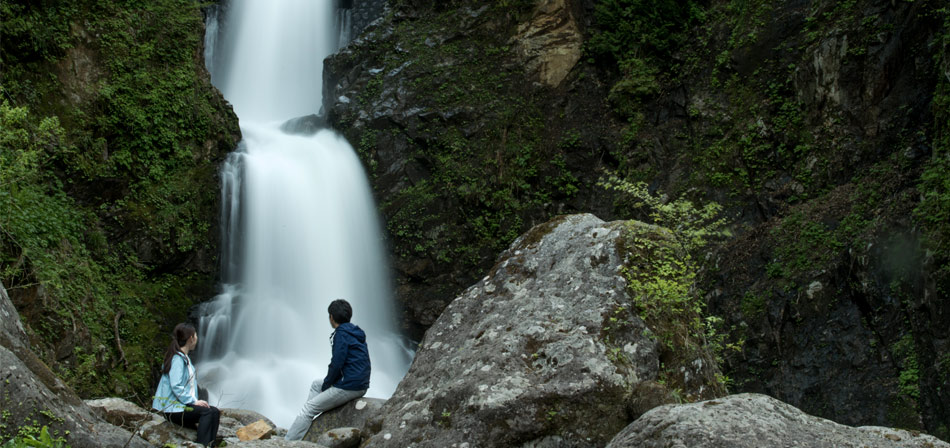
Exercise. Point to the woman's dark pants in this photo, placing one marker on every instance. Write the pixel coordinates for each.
(206, 419)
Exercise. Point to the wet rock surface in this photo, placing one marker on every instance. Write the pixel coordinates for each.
(306, 125)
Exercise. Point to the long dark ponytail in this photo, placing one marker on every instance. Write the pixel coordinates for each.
(180, 336)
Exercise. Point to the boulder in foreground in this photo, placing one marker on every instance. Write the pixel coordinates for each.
(754, 420)
(547, 350)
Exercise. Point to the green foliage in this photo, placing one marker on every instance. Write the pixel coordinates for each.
(754, 304)
(933, 211)
(943, 367)
(638, 83)
(760, 133)
(42, 439)
(35, 32)
(490, 161)
(807, 242)
(638, 37)
(26, 147)
(661, 272)
(114, 155)
(906, 353)
(811, 246)
(39, 219)
(692, 227)
(628, 29)
(46, 238)
(747, 18)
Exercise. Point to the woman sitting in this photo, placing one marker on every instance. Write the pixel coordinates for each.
(177, 394)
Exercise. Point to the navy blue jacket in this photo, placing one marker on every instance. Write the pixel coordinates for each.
(349, 366)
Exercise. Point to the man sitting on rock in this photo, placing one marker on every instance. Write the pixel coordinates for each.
(348, 374)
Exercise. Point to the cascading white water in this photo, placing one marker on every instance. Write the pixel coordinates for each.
(300, 227)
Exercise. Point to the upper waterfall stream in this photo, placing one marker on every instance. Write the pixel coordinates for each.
(299, 225)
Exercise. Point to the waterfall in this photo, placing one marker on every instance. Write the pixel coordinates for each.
(299, 226)
(344, 23)
(211, 36)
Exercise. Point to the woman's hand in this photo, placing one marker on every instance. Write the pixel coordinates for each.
(202, 403)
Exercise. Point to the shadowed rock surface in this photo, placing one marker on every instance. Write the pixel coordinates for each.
(158, 432)
(246, 417)
(340, 438)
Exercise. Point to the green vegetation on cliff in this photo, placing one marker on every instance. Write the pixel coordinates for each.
(637, 39)
(662, 270)
(109, 147)
(934, 208)
(483, 103)
(820, 128)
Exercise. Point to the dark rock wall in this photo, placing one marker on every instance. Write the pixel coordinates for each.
(363, 12)
(465, 152)
(812, 122)
(830, 291)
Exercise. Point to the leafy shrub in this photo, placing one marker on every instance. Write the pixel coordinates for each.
(44, 440)
(661, 274)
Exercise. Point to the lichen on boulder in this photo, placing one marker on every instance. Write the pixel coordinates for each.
(546, 349)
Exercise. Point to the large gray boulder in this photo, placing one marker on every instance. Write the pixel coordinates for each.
(31, 395)
(545, 351)
(754, 420)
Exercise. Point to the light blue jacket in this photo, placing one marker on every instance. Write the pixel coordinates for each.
(177, 388)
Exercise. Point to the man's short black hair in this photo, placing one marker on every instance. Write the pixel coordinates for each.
(341, 311)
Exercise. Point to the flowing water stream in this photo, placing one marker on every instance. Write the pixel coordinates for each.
(299, 226)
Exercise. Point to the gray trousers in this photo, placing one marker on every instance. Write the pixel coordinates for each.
(318, 403)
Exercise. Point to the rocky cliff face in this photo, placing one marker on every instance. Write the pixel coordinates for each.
(470, 133)
(813, 123)
(834, 289)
